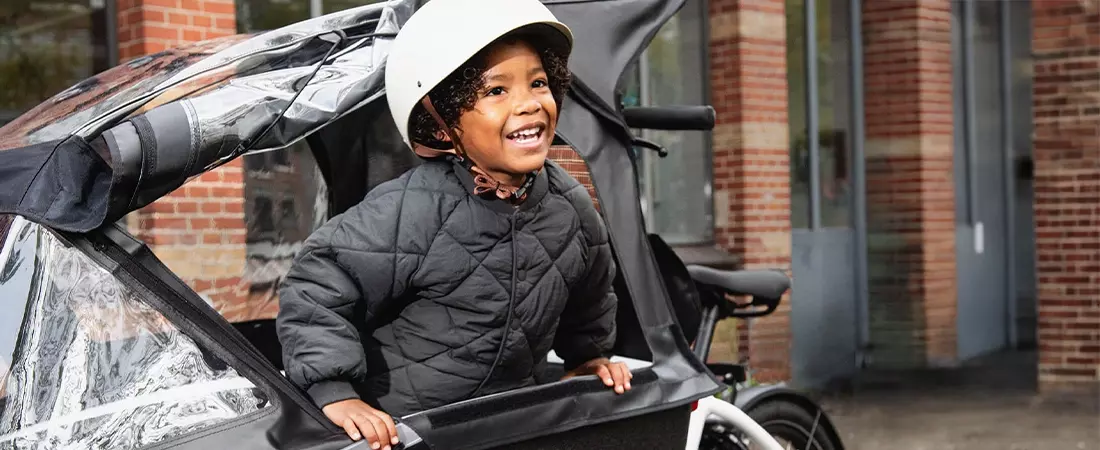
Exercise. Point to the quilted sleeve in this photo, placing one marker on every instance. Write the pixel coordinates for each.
(348, 270)
(587, 327)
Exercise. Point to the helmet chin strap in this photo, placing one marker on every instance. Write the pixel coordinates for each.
(427, 103)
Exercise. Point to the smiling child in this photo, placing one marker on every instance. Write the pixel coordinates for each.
(456, 279)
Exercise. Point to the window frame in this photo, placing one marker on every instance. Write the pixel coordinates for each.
(650, 166)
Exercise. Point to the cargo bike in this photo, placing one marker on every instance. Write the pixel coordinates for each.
(103, 345)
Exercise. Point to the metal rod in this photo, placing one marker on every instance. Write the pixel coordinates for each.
(1009, 169)
(316, 8)
(705, 336)
(859, 177)
(700, 11)
(812, 133)
(969, 113)
(111, 11)
(648, 169)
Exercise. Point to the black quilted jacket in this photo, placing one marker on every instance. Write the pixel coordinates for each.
(404, 300)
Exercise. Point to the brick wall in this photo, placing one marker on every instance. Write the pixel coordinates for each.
(150, 26)
(751, 158)
(572, 162)
(1066, 100)
(198, 230)
(910, 190)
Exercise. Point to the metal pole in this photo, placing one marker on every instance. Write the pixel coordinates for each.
(859, 177)
(648, 169)
(111, 11)
(812, 133)
(1009, 169)
(699, 11)
(969, 113)
(316, 8)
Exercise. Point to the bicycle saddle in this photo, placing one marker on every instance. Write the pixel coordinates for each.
(763, 284)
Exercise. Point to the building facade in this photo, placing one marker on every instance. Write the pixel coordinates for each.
(928, 170)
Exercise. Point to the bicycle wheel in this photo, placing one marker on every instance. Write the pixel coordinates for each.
(788, 422)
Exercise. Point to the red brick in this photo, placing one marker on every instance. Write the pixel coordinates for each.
(170, 224)
(187, 207)
(1066, 148)
(234, 207)
(161, 31)
(218, 7)
(201, 285)
(211, 207)
(151, 16)
(225, 23)
(228, 223)
(179, 19)
(201, 223)
(160, 3)
(222, 192)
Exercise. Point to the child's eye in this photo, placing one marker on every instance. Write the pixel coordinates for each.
(494, 91)
(539, 84)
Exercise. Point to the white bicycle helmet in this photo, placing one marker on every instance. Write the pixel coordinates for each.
(443, 34)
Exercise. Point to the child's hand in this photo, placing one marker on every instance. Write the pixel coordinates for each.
(359, 420)
(612, 373)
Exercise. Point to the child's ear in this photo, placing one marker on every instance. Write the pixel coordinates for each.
(439, 134)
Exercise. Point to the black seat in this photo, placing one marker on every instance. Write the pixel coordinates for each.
(761, 284)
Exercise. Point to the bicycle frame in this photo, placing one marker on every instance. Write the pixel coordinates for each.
(730, 414)
(710, 407)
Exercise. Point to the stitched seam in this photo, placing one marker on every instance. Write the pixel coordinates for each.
(435, 238)
(580, 217)
(468, 252)
(479, 262)
(376, 252)
(397, 236)
(415, 391)
(423, 362)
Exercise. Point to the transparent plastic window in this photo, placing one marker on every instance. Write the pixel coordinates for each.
(232, 233)
(85, 363)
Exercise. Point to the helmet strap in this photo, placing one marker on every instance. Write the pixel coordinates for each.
(427, 102)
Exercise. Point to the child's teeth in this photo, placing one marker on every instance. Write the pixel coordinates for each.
(525, 134)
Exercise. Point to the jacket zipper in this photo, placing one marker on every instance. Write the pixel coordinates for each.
(508, 318)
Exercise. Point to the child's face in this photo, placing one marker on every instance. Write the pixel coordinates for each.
(509, 131)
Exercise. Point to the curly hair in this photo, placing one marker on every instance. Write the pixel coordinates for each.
(459, 91)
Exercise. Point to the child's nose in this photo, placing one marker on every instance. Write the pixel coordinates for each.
(528, 104)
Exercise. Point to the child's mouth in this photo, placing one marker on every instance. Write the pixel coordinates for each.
(527, 135)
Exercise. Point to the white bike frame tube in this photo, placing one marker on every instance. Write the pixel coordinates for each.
(731, 415)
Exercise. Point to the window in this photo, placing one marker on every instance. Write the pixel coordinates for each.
(263, 217)
(263, 15)
(676, 190)
(47, 46)
(831, 111)
(288, 214)
(86, 363)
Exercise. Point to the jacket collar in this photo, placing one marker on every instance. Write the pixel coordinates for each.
(537, 191)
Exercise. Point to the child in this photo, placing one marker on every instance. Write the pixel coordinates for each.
(456, 279)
